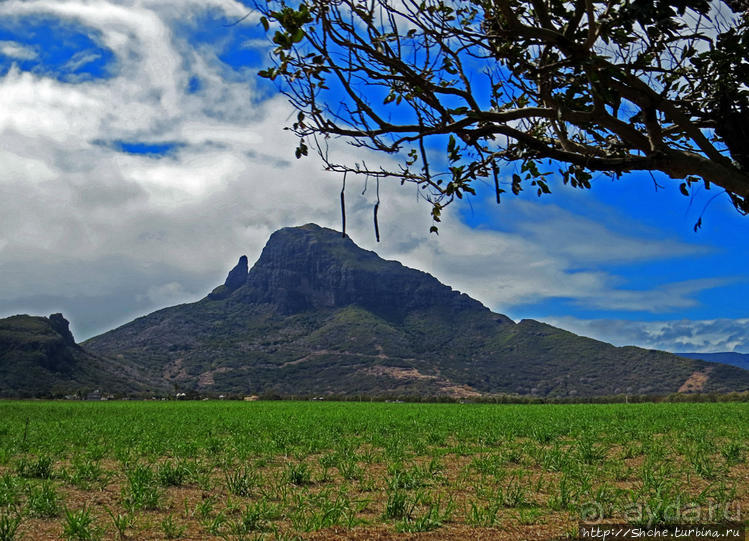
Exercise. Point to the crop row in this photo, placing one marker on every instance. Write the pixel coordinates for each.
(281, 470)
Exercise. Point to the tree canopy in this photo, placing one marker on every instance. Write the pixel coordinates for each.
(457, 91)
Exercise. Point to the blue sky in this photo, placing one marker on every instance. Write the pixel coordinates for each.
(662, 222)
(54, 47)
(140, 156)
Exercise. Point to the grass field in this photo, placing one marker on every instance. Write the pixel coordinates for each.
(320, 470)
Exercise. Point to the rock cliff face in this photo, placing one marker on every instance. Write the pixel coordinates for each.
(39, 357)
(238, 275)
(310, 267)
(62, 327)
(317, 314)
(237, 278)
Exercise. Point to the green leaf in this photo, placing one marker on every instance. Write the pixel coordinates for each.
(298, 36)
(453, 153)
(281, 39)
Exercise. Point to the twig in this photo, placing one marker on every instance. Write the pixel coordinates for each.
(343, 207)
(239, 20)
(376, 208)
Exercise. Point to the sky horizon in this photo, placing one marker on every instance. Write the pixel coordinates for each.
(140, 156)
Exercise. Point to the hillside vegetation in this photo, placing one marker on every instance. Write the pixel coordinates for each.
(316, 314)
(39, 358)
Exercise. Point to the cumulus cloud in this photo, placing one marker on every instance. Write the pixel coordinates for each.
(685, 336)
(104, 235)
(505, 269)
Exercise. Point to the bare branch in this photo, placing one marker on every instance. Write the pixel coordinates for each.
(590, 85)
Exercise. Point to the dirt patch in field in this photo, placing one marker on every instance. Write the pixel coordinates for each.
(696, 382)
(457, 532)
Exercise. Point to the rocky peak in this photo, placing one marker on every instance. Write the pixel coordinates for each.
(236, 278)
(310, 267)
(238, 275)
(61, 326)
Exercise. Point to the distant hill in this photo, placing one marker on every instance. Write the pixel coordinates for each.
(736, 359)
(316, 314)
(39, 358)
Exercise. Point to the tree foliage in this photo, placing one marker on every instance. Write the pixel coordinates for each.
(455, 91)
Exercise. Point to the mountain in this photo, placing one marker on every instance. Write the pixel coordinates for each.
(736, 359)
(317, 314)
(39, 357)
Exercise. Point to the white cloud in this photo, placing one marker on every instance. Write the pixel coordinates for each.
(699, 336)
(79, 60)
(83, 222)
(165, 294)
(664, 298)
(503, 269)
(17, 50)
(577, 238)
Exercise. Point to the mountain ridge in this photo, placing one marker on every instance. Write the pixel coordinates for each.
(316, 314)
(39, 357)
(724, 357)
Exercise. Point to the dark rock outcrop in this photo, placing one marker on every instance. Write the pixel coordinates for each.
(62, 326)
(236, 278)
(311, 267)
(39, 358)
(238, 275)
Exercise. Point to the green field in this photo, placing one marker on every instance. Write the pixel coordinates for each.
(322, 470)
